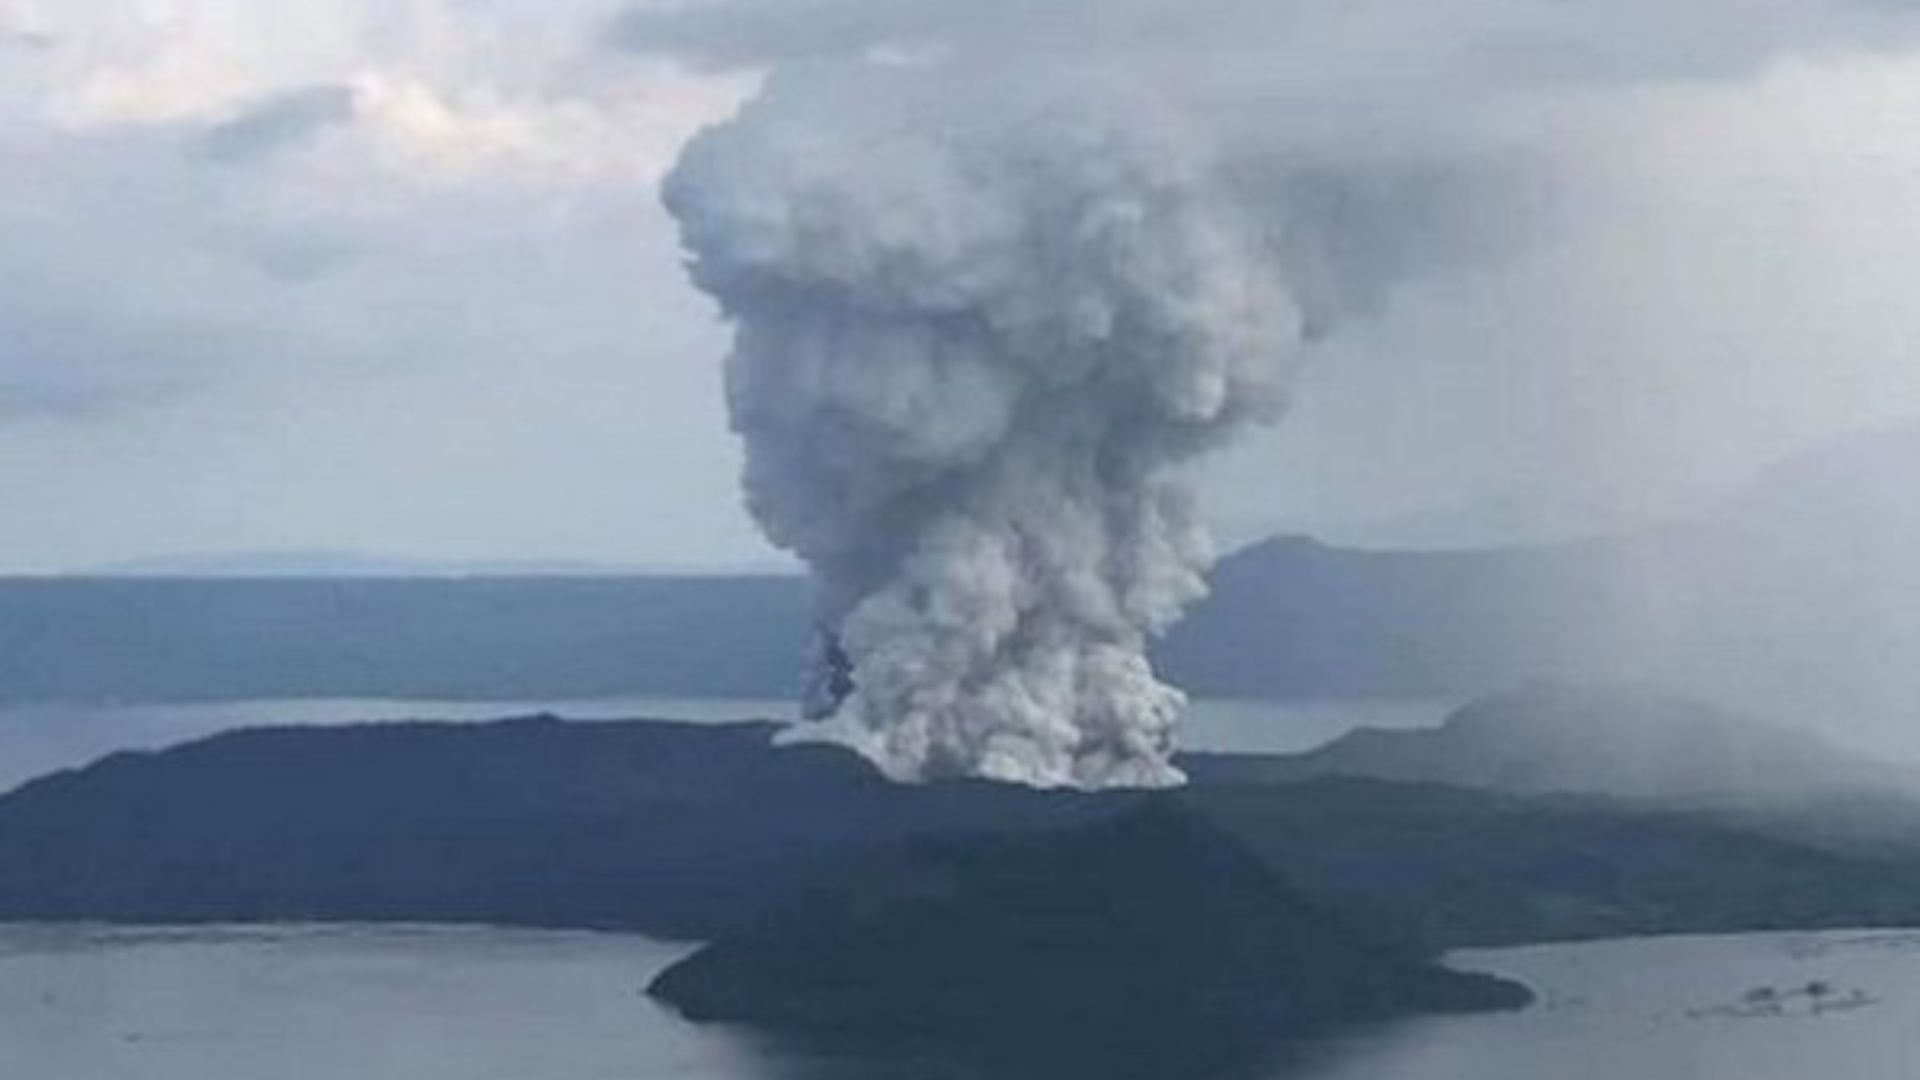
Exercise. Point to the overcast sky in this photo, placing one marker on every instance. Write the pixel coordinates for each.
(391, 275)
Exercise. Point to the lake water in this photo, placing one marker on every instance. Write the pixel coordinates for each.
(36, 739)
(349, 1003)
(345, 1003)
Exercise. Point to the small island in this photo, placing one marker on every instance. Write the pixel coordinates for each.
(1152, 922)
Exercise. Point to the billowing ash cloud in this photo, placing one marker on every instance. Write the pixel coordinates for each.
(995, 280)
(975, 341)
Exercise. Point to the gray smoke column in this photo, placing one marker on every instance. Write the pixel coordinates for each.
(976, 337)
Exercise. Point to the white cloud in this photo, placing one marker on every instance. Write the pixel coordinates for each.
(1717, 278)
(388, 274)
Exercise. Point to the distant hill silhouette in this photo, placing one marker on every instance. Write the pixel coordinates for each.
(1622, 742)
(323, 564)
(1294, 617)
(1286, 619)
(1790, 600)
(498, 638)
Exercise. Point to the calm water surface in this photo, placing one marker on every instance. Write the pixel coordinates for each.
(430, 1004)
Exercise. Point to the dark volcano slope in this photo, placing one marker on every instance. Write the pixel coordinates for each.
(697, 831)
(1152, 919)
(673, 829)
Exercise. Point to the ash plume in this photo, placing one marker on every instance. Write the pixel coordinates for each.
(977, 336)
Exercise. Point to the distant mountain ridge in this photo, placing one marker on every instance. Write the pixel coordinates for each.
(1286, 618)
(320, 563)
(107, 639)
(1794, 600)
(1620, 742)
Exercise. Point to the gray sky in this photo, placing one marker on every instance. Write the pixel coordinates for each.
(391, 276)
